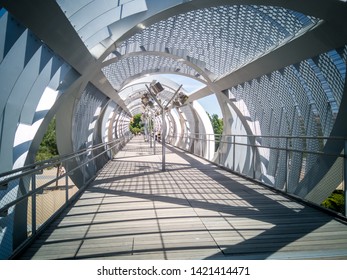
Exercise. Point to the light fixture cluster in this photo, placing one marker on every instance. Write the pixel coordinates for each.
(180, 100)
(156, 87)
(147, 101)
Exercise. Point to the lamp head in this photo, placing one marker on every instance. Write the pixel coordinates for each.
(157, 87)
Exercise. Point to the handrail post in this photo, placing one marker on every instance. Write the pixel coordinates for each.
(66, 188)
(150, 132)
(154, 130)
(33, 205)
(154, 144)
(254, 157)
(345, 176)
(112, 153)
(163, 131)
(286, 167)
(234, 150)
(209, 147)
(219, 149)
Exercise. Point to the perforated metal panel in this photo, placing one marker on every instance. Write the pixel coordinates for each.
(299, 100)
(118, 72)
(222, 38)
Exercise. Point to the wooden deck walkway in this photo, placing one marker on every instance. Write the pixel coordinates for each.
(194, 210)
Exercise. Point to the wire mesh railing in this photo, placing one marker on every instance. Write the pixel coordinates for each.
(308, 168)
(33, 195)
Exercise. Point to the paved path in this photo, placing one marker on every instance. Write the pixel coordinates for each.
(194, 210)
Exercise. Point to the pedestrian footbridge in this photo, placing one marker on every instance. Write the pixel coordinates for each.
(193, 210)
(250, 98)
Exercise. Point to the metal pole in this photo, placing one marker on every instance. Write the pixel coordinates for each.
(219, 149)
(234, 150)
(345, 176)
(254, 157)
(286, 167)
(33, 205)
(208, 145)
(66, 188)
(163, 139)
(173, 96)
(149, 131)
(162, 107)
(154, 134)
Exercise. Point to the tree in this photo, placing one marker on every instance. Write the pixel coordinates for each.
(48, 147)
(335, 202)
(217, 125)
(135, 124)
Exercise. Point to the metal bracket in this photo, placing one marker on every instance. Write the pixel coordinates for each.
(4, 213)
(3, 187)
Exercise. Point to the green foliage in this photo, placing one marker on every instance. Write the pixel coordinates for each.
(135, 130)
(335, 202)
(217, 125)
(48, 147)
(135, 124)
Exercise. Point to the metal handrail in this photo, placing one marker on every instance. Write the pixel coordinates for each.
(287, 147)
(63, 158)
(266, 136)
(35, 168)
(40, 165)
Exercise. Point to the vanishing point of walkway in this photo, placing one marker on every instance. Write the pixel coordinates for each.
(194, 210)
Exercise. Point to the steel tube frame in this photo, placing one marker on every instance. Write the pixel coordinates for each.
(163, 125)
(288, 150)
(163, 130)
(33, 205)
(5, 208)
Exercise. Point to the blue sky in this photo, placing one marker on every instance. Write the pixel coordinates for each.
(209, 103)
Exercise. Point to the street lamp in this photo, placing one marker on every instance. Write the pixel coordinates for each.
(155, 88)
(145, 99)
(180, 100)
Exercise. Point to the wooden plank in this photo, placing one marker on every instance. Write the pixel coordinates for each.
(192, 211)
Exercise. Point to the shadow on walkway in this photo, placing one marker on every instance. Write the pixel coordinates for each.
(133, 210)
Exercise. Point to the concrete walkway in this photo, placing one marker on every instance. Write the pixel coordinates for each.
(194, 210)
